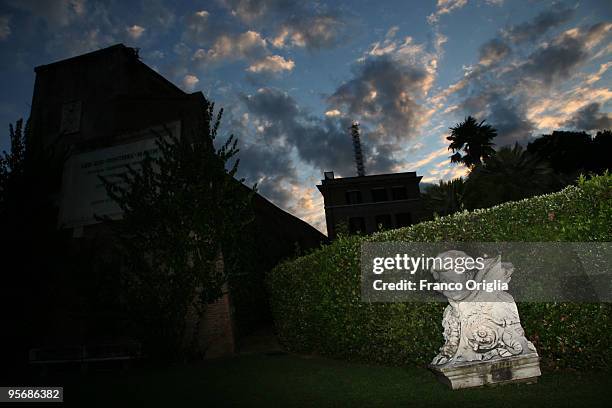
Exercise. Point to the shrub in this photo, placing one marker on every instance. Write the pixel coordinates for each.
(317, 307)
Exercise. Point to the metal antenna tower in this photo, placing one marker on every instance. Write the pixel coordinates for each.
(357, 148)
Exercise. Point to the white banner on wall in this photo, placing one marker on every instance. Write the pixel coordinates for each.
(84, 195)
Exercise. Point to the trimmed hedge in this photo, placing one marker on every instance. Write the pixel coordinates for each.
(317, 308)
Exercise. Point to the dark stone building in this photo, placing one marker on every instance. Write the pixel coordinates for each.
(98, 99)
(365, 204)
(109, 99)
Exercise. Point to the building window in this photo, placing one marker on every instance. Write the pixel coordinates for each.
(403, 219)
(356, 225)
(383, 222)
(353, 197)
(399, 193)
(379, 194)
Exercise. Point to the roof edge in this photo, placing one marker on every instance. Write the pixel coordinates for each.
(86, 55)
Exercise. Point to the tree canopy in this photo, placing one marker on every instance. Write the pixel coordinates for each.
(471, 142)
(182, 213)
(509, 175)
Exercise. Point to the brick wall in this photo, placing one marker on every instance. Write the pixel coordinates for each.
(218, 328)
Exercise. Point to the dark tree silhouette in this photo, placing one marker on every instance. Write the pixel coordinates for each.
(473, 139)
(12, 163)
(32, 247)
(567, 152)
(602, 145)
(512, 174)
(572, 153)
(444, 198)
(183, 214)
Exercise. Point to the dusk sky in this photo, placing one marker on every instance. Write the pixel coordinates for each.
(293, 75)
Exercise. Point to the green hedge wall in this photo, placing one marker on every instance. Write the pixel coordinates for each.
(317, 308)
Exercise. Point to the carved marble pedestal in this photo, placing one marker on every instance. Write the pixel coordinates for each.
(522, 368)
(484, 342)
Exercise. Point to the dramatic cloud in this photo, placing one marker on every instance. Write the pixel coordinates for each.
(190, 82)
(269, 166)
(557, 107)
(590, 118)
(315, 32)
(135, 31)
(263, 158)
(198, 28)
(559, 59)
(277, 137)
(404, 49)
(595, 34)
(387, 89)
(55, 13)
(333, 112)
(219, 43)
(202, 29)
(156, 14)
(383, 91)
(249, 46)
(291, 107)
(65, 28)
(271, 64)
(509, 116)
(603, 68)
(323, 143)
(273, 105)
(309, 205)
(301, 24)
(503, 108)
(511, 87)
(250, 10)
(534, 29)
(445, 7)
(493, 52)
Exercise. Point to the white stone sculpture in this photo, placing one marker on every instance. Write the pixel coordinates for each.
(484, 340)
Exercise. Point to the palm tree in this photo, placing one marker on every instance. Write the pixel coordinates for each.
(512, 174)
(474, 139)
(444, 198)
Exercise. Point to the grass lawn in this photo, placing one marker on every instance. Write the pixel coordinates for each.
(288, 380)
